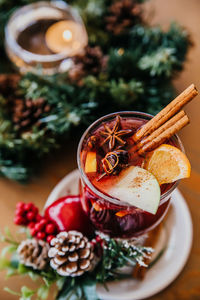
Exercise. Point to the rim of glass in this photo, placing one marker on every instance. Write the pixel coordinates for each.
(83, 174)
(25, 54)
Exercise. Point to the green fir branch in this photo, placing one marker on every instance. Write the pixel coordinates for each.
(126, 93)
(117, 255)
(161, 62)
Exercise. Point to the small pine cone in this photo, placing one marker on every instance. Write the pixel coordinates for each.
(71, 254)
(123, 14)
(8, 84)
(34, 253)
(91, 61)
(27, 113)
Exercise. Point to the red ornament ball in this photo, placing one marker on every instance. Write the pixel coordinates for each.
(67, 214)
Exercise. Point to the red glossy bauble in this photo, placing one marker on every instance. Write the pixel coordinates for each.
(67, 214)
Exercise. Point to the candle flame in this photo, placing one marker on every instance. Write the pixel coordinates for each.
(67, 35)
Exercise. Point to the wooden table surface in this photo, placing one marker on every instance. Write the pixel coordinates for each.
(187, 285)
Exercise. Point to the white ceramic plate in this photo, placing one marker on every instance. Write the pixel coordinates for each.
(164, 272)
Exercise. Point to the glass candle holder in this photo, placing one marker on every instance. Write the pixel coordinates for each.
(112, 216)
(44, 36)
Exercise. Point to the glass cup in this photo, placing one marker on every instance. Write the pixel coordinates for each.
(37, 61)
(112, 216)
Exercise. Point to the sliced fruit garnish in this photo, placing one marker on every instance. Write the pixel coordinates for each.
(91, 162)
(122, 213)
(168, 164)
(139, 188)
(96, 206)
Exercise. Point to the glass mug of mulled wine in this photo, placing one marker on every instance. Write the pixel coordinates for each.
(121, 199)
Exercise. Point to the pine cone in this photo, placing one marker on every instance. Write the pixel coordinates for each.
(26, 113)
(33, 253)
(8, 84)
(71, 254)
(123, 14)
(92, 61)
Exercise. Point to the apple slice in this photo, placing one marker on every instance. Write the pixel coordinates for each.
(139, 188)
(91, 162)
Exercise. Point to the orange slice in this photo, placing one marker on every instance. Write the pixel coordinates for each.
(122, 213)
(91, 162)
(168, 164)
(96, 206)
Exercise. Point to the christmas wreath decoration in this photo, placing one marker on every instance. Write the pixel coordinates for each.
(127, 65)
(64, 256)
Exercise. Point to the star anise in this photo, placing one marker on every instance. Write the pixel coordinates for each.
(114, 135)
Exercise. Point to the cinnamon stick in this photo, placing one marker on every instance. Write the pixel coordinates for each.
(161, 129)
(165, 135)
(186, 96)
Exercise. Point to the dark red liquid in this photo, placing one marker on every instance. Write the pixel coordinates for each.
(117, 220)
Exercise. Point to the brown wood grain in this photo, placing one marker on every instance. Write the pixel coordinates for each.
(187, 285)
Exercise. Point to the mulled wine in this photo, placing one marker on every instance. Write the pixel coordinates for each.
(110, 165)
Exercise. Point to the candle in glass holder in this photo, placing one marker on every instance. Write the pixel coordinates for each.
(65, 36)
(47, 34)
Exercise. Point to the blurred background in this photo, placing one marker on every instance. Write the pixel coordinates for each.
(62, 161)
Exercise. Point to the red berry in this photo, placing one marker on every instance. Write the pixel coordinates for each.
(50, 228)
(67, 214)
(41, 235)
(102, 243)
(98, 239)
(38, 218)
(31, 225)
(30, 216)
(33, 231)
(49, 238)
(93, 243)
(28, 206)
(35, 210)
(39, 227)
(20, 212)
(43, 222)
(20, 205)
(18, 220)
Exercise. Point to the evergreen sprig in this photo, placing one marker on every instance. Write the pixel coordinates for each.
(115, 255)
